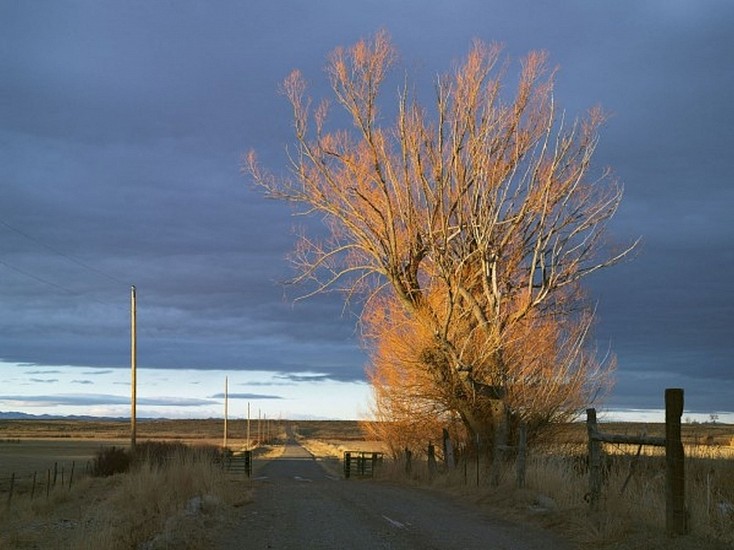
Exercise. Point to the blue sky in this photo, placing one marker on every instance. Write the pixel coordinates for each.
(121, 131)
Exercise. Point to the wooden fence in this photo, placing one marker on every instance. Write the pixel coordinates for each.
(361, 463)
(239, 463)
(676, 516)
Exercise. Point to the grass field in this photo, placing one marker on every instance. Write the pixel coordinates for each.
(632, 517)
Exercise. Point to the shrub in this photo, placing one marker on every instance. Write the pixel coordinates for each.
(110, 461)
(162, 453)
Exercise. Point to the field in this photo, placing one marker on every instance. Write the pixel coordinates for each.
(633, 507)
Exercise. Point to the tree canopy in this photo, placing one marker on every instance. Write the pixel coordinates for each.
(467, 225)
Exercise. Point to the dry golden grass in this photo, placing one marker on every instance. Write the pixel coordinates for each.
(99, 513)
(210, 430)
(161, 507)
(556, 488)
(557, 485)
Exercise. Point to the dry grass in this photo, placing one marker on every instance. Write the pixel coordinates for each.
(157, 507)
(557, 485)
(103, 513)
(556, 488)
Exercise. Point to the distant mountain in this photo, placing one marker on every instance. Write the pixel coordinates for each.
(12, 415)
(15, 415)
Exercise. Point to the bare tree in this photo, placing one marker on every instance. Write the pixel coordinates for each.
(468, 226)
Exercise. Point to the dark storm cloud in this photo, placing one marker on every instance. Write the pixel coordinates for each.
(123, 126)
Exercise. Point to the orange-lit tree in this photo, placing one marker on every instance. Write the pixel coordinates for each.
(468, 227)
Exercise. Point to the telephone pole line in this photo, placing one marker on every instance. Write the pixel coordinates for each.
(226, 406)
(133, 366)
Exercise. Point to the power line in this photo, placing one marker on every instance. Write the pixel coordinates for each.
(36, 278)
(60, 253)
(57, 286)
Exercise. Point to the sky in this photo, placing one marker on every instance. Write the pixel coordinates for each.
(122, 128)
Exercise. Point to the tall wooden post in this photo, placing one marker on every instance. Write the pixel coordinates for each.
(676, 517)
(133, 367)
(522, 447)
(226, 404)
(248, 426)
(448, 451)
(595, 474)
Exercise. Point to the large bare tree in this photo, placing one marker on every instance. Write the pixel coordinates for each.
(468, 225)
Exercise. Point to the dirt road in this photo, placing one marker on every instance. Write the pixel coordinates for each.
(298, 504)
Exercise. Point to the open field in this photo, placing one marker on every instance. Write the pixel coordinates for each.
(25, 456)
(633, 505)
(691, 434)
(30, 445)
(181, 430)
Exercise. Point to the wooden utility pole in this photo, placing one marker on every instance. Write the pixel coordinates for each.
(248, 425)
(226, 403)
(133, 367)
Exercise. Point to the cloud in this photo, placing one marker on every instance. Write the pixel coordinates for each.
(44, 380)
(266, 383)
(308, 377)
(82, 382)
(87, 399)
(253, 396)
(207, 253)
(336, 375)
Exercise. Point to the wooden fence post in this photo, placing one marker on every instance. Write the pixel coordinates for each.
(431, 459)
(347, 464)
(448, 451)
(33, 489)
(595, 477)
(408, 461)
(500, 442)
(478, 447)
(676, 517)
(465, 460)
(12, 486)
(248, 463)
(522, 444)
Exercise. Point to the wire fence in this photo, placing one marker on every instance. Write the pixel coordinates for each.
(43, 483)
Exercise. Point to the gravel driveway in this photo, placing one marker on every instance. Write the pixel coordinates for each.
(297, 504)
